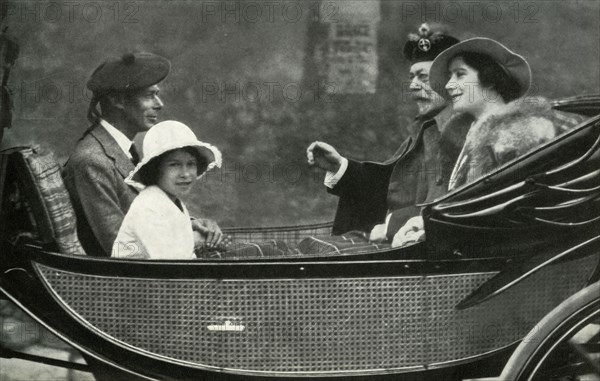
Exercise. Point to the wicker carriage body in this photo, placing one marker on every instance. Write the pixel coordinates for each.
(289, 319)
(298, 319)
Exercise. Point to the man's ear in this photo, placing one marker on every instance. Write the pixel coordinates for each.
(117, 100)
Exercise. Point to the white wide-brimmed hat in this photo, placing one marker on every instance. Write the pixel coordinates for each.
(169, 135)
(514, 64)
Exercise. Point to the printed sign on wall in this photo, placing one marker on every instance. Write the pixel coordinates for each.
(349, 58)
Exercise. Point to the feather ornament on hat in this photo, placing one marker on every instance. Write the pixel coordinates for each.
(429, 41)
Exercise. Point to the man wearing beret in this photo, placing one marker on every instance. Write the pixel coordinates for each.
(380, 197)
(127, 91)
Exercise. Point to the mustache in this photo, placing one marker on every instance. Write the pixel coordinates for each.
(420, 96)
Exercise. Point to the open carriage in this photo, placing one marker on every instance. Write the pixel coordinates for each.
(502, 260)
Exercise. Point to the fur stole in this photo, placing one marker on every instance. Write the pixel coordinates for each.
(496, 138)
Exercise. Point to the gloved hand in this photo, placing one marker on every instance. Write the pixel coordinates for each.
(412, 231)
(378, 233)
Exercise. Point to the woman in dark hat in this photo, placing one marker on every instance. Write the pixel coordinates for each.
(487, 82)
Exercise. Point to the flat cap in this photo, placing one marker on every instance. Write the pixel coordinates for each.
(425, 45)
(130, 72)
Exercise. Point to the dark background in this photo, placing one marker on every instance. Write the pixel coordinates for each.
(265, 180)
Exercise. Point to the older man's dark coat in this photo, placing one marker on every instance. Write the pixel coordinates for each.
(417, 173)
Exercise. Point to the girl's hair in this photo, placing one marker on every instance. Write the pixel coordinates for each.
(148, 174)
(492, 74)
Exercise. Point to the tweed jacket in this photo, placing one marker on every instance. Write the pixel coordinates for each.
(496, 139)
(95, 179)
(155, 228)
(418, 172)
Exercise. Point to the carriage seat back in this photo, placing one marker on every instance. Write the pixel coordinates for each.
(39, 176)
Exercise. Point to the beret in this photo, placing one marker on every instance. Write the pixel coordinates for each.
(130, 72)
(512, 63)
(427, 43)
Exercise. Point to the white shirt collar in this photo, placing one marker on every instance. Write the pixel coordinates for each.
(119, 137)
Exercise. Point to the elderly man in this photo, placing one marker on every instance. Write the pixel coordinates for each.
(127, 91)
(381, 197)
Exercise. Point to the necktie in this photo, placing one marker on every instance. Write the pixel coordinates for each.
(135, 158)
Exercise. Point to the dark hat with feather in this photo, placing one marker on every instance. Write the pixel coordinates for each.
(425, 45)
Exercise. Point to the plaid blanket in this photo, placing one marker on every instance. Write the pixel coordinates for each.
(313, 246)
(43, 174)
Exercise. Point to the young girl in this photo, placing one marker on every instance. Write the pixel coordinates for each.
(157, 225)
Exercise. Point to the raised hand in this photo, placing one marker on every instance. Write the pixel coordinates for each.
(323, 156)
